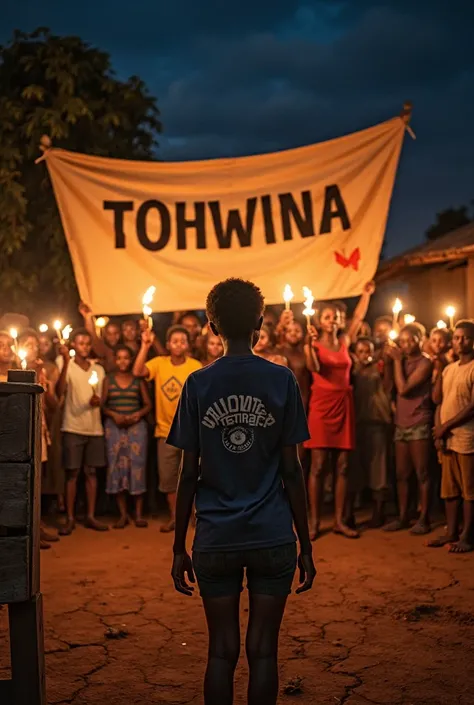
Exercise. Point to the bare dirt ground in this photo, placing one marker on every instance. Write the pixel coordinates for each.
(388, 622)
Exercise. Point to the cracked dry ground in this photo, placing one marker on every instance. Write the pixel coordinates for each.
(388, 621)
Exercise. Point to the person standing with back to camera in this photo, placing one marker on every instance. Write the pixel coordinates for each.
(239, 423)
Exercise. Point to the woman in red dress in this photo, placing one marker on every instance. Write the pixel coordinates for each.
(331, 410)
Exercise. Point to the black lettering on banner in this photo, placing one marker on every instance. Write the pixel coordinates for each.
(119, 208)
(234, 223)
(268, 220)
(142, 233)
(333, 194)
(290, 212)
(198, 223)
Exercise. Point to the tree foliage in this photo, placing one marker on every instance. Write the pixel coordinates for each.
(448, 220)
(64, 88)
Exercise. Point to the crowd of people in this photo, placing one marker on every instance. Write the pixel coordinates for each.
(390, 417)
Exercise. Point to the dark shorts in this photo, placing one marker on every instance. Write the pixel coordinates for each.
(83, 451)
(269, 571)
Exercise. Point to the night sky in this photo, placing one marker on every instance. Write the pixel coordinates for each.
(234, 78)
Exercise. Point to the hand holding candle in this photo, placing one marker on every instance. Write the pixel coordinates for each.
(94, 382)
(288, 297)
(308, 310)
(146, 302)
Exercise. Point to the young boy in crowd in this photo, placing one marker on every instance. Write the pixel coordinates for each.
(454, 435)
(369, 462)
(83, 433)
(239, 423)
(169, 373)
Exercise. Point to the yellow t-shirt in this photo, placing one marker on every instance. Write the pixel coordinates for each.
(169, 380)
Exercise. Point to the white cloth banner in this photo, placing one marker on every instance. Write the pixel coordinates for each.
(313, 216)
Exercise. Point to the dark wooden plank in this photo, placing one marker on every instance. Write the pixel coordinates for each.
(35, 492)
(6, 693)
(15, 578)
(27, 652)
(15, 495)
(15, 428)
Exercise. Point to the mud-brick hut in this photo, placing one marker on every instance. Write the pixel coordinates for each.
(433, 276)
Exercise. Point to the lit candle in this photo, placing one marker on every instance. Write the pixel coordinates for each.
(14, 335)
(22, 354)
(396, 310)
(288, 297)
(43, 328)
(66, 333)
(100, 324)
(393, 335)
(94, 381)
(451, 312)
(72, 353)
(147, 302)
(441, 325)
(308, 310)
(408, 318)
(57, 325)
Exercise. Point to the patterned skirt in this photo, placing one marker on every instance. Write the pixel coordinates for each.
(126, 456)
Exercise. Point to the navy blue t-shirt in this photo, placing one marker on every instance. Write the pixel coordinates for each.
(238, 414)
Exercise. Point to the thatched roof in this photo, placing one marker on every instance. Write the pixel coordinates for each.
(456, 245)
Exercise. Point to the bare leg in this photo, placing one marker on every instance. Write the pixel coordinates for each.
(404, 469)
(316, 490)
(452, 532)
(71, 490)
(340, 527)
(222, 615)
(91, 495)
(420, 455)
(140, 522)
(169, 526)
(466, 540)
(265, 615)
(122, 505)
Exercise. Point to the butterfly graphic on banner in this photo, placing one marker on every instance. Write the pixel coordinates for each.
(351, 261)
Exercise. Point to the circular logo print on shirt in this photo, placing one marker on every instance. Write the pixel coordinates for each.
(237, 439)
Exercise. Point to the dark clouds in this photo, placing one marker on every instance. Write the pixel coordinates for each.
(243, 77)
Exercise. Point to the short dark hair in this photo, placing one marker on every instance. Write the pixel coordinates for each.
(235, 307)
(413, 330)
(365, 341)
(177, 329)
(112, 324)
(467, 325)
(124, 348)
(442, 331)
(188, 314)
(384, 319)
(341, 306)
(131, 322)
(77, 332)
(28, 333)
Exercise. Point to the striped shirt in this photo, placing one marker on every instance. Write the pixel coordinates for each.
(124, 400)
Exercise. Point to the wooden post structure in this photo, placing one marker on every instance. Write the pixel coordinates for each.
(20, 499)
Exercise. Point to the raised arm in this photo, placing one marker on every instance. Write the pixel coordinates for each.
(310, 353)
(139, 366)
(360, 312)
(98, 345)
(61, 384)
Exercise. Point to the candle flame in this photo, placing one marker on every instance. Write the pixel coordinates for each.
(22, 354)
(57, 325)
(397, 307)
(66, 334)
(148, 296)
(441, 324)
(288, 294)
(308, 302)
(147, 310)
(408, 318)
(450, 311)
(13, 333)
(72, 353)
(101, 322)
(94, 378)
(43, 328)
(393, 335)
